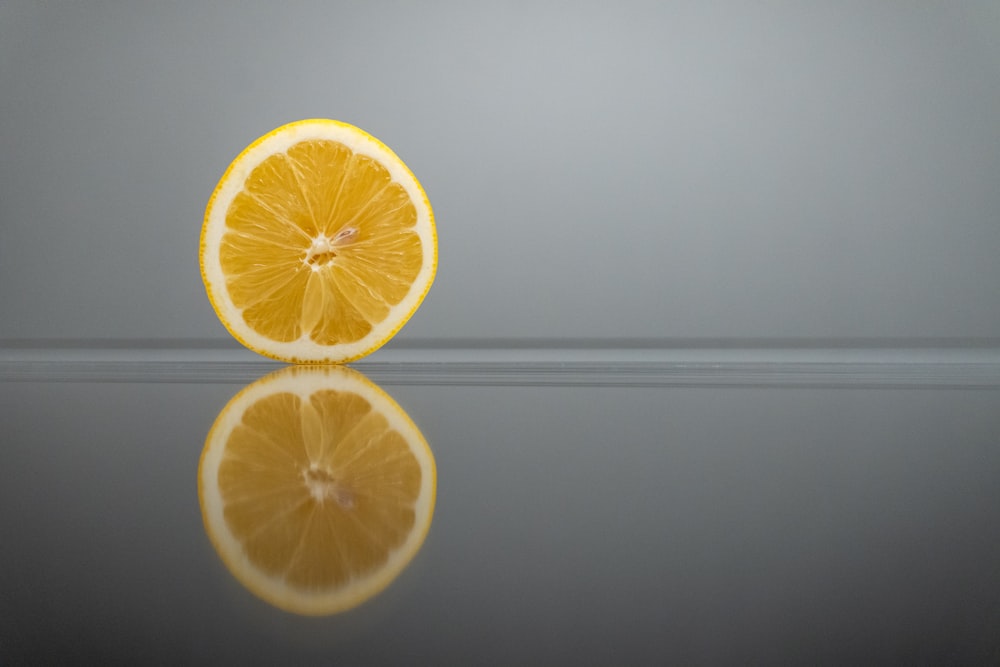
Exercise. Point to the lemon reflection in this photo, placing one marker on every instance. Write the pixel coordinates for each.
(316, 489)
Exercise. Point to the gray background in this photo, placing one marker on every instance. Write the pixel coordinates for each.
(702, 169)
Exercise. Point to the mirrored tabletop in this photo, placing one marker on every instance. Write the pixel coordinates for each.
(636, 512)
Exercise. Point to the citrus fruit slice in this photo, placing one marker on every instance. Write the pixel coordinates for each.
(316, 489)
(318, 244)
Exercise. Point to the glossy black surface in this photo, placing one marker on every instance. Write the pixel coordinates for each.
(584, 516)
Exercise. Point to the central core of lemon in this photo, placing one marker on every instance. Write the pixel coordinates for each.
(323, 249)
(323, 486)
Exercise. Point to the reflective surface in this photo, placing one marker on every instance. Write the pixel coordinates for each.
(745, 515)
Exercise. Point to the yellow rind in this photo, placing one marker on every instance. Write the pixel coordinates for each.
(208, 212)
(240, 572)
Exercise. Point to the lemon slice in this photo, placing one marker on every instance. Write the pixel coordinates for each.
(318, 244)
(316, 489)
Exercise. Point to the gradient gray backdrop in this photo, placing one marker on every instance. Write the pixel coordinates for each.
(697, 169)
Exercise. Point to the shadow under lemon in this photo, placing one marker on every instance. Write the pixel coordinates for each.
(316, 488)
